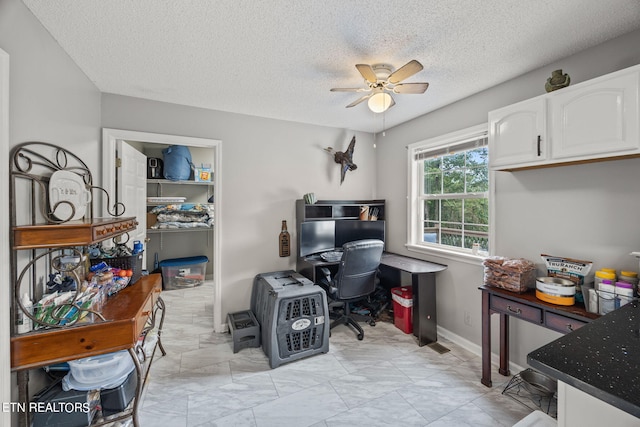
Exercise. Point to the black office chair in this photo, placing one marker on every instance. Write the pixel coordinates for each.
(355, 278)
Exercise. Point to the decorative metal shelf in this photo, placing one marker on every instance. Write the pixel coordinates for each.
(71, 233)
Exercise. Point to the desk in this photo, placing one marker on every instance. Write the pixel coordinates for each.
(527, 307)
(398, 270)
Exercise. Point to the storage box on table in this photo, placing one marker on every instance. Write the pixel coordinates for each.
(512, 274)
(180, 273)
(131, 262)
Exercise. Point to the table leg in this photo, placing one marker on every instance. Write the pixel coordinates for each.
(424, 284)
(486, 341)
(504, 345)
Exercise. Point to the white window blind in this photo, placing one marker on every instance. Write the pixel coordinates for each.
(467, 144)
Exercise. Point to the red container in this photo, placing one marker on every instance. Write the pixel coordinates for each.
(402, 308)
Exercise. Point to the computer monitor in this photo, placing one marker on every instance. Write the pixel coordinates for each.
(351, 230)
(316, 237)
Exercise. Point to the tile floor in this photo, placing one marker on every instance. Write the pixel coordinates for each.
(384, 380)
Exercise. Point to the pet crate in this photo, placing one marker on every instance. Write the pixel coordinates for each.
(293, 315)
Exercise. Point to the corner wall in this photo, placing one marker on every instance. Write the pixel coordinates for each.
(583, 211)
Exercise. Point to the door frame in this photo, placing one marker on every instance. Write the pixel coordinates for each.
(5, 321)
(109, 138)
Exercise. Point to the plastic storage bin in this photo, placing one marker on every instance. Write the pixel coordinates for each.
(83, 404)
(101, 369)
(402, 308)
(115, 400)
(180, 273)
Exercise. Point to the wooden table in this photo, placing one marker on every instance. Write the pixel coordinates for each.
(525, 306)
(126, 315)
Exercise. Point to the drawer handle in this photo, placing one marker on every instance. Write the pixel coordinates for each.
(515, 311)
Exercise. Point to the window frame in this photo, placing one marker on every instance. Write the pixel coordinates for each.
(415, 201)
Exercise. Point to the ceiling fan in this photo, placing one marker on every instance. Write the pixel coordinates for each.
(382, 81)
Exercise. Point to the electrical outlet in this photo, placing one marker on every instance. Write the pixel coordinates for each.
(467, 318)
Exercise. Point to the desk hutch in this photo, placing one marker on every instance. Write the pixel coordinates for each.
(39, 242)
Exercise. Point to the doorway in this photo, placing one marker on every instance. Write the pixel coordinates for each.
(110, 141)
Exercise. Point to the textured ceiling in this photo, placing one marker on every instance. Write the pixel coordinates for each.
(278, 59)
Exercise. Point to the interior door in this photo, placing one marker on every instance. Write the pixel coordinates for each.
(131, 188)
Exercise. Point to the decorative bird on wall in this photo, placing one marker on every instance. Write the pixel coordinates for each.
(345, 159)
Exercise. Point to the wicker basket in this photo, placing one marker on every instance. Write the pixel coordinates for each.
(132, 262)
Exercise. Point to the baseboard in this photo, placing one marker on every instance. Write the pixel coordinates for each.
(475, 349)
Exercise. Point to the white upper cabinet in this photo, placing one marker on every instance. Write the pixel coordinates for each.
(594, 120)
(517, 134)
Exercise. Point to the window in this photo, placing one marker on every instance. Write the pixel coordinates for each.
(449, 193)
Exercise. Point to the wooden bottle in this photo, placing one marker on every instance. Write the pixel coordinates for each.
(284, 240)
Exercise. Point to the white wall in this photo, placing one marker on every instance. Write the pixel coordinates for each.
(586, 211)
(266, 165)
(51, 100)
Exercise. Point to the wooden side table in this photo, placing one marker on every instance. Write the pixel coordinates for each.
(525, 306)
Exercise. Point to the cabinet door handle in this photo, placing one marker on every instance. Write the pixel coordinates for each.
(516, 311)
(539, 146)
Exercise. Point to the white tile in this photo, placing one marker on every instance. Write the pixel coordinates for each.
(384, 380)
(300, 409)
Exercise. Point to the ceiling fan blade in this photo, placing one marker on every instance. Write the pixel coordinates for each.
(359, 100)
(348, 89)
(407, 70)
(410, 88)
(367, 72)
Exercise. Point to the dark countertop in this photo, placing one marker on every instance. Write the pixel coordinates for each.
(602, 358)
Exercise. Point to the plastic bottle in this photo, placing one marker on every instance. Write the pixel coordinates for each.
(24, 322)
(624, 293)
(606, 296)
(611, 271)
(631, 277)
(601, 275)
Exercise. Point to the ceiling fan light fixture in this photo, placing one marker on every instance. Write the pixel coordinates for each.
(379, 102)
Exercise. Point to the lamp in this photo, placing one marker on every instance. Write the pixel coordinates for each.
(380, 102)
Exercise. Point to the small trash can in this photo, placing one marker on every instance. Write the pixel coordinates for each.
(402, 308)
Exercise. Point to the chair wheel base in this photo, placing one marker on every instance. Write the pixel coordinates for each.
(360, 337)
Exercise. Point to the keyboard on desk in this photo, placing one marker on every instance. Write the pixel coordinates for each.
(331, 256)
